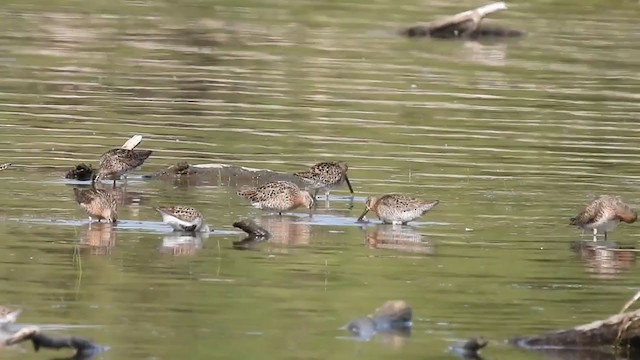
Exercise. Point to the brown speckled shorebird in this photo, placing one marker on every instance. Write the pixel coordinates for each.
(8, 315)
(98, 203)
(603, 214)
(278, 196)
(117, 162)
(183, 218)
(325, 176)
(397, 209)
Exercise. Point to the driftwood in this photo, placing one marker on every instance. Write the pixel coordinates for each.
(221, 174)
(85, 349)
(466, 24)
(255, 234)
(621, 330)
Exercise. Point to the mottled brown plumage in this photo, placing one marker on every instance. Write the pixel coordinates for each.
(117, 162)
(326, 176)
(98, 203)
(278, 196)
(397, 208)
(603, 214)
(183, 218)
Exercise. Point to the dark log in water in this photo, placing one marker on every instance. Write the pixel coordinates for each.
(85, 349)
(622, 330)
(466, 25)
(221, 174)
(251, 228)
(255, 233)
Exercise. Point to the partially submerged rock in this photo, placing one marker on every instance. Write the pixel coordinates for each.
(82, 172)
(469, 349)
(393, 316)
(467, 25)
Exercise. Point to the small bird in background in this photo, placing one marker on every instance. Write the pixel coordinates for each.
(183, 218)
(98, 203)
(117, 162)
(277, 196)
(603, 214)
(397, 209)
(325, 176)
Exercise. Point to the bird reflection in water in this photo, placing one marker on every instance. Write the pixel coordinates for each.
(182, 244)
(397, 237)
(286, 229)
(605, 260)
(100, 238)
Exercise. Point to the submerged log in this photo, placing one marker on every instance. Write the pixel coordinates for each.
(466, 24)
(621, 330)
(221, 174)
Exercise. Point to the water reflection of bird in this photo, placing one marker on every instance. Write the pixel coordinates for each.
(183, 218)
(603, 214)
(97, 203)
(326, 176)
(396, 237)
(397, 208)
(277, 196)
(183, 244)
(286, 230)
(607, 260)
(99, 237)
(117, 162)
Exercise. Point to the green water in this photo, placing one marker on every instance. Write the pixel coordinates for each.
(512, 137)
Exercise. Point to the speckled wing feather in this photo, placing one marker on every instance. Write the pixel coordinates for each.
(184, 213)
(322, 174)
(124, 158)
(274, 195)
(406, 203)
(86, 196)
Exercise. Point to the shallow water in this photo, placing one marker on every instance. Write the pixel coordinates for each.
(512, 137)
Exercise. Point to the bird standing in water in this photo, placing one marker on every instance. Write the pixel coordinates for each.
(603, 214)
(183, 218)
(396, 208)
(277, 196)
(325, 176)
(98, 203)
(117, 162)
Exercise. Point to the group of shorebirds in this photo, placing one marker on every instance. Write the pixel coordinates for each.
(602, 215)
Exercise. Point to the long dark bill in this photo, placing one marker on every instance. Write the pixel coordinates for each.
(366, 210)
(346, 178)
